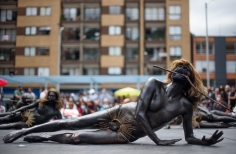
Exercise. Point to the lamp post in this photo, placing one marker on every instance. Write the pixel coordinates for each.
(59, 57)
(207, 51)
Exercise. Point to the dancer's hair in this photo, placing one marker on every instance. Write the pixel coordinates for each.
(59, 103)
(193, 95)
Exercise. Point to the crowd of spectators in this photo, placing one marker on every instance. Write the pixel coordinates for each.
(224, 95)
(89, 102)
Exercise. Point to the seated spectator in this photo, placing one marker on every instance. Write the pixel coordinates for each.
(106, 104)
(219, 107)
(92, 95)
(71, 112)
(90, 107)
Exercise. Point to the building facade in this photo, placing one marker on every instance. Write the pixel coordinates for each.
(92, 37)
(222, 59)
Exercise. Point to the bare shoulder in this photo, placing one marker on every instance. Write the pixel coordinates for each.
(154, 80)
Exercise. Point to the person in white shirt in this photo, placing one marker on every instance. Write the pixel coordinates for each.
(30, 91)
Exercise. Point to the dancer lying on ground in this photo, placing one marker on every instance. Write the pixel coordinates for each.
(158, 103)
(24, 117)
(212, 119)
(26, 99)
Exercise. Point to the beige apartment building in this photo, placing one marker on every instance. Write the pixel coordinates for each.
(92, 37)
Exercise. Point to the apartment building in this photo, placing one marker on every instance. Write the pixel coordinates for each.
(92, 37)
(222, 59)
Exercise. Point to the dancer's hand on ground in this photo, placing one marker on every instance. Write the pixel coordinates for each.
(215, 138)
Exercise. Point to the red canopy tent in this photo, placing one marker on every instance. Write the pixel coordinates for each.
(2, 82)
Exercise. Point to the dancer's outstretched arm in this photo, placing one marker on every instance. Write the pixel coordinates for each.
(188, 130)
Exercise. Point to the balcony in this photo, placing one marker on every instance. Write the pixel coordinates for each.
(131, 55)
(155, 34)
(7, 56)
(155, 56)
(91, 34)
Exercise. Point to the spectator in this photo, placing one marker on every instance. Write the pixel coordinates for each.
(90, 107)
(104, 94)
(106, 104)
(70, 112)
(30, 91)
(1, 97)
(220, 100)
(2, 108)
(92, 95)
(18, 93)
(226, 93)
(232, 98)
(214, 95)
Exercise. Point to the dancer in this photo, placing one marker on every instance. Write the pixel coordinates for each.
(44, 110)
(158, 103)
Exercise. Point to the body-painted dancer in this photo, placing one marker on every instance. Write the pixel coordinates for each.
(35, 113)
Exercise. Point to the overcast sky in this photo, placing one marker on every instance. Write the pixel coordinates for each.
(221, 17)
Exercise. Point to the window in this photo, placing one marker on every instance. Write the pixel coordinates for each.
(8, 15)
(114, 9)
(114, 70)
(44, 30)
(231, 66)
(201, 48)
(70, 54)
(131, 54)
(7, 35)
(131, 71)
(114, 51)
(155, 54)
(71, 14)
(70, 71)
(71, 34)
(230, 48)
(29, 51)
(43, 71)
(7, 54)
(29, 71)
(31, 11)
(132, 33)
(155, 33)
(114, 30)
(154, 14)
(45, 11)
(30, 30)
(174, 12)
(175, 32)
(43, 51)
(132, 14)
(92, 13)
(91, 54)
(175, 52)
(201, 66)
(91, 33)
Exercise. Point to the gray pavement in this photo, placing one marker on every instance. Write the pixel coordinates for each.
(141, 146)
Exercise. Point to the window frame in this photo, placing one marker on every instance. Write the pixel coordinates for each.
(175, 36)
(174, 12)
(29, 11)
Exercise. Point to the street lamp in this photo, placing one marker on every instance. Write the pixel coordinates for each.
(59, 57)
(207, 52)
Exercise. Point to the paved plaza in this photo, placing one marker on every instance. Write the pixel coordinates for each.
(141, 146)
